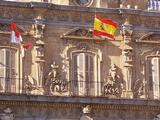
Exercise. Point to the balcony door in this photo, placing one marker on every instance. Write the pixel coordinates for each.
(154, 77)
(83, 77)
(7, 70)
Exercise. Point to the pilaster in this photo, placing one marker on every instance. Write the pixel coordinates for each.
(127, 52)
(39, 47)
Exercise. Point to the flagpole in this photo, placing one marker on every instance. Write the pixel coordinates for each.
(10, 59)
(19, 64)
(17, 39)
(10, 67)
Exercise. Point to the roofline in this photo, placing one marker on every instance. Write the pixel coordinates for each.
(51, 6)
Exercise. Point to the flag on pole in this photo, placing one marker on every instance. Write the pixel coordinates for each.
(24, 47)
(27, 45)
(104, 27)
(15, 35)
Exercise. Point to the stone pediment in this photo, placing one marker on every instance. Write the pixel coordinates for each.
(79, 33)
(152, 37)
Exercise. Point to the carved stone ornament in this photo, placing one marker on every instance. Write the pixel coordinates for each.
(87, 111)
(157, 117)
(127, 29)
(38, 27)
(113, 84)
(138, 89)
(29, 84)
(83, 46)
(79, 33)
(53, 82)
(7, 114)
(128, 55)
(5, 27)
(150, 37)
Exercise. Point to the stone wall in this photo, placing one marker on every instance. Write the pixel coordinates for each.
(24, 107)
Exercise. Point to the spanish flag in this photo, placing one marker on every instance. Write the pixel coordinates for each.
(104, 27)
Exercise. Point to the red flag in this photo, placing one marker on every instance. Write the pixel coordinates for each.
(27, 45)
(15, 35)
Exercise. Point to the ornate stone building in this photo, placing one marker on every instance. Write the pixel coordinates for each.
(70, 74)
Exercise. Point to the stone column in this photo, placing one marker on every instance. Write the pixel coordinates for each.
(128, 59)
(39, 47)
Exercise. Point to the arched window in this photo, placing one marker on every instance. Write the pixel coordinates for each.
(83, 73)
(8, 70)
(153, 76)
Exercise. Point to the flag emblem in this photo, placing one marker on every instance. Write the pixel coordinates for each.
(104, 27)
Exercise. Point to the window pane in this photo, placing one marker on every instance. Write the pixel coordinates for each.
(153, 75)
(83, 69)
(2, 72)
(7, 58)
(13, 59)
(2, 58)
(2, 63)
(7, 69)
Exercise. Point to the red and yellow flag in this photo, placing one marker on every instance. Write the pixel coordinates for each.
(104, 27)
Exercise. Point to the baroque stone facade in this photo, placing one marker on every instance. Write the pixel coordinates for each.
(70, 74)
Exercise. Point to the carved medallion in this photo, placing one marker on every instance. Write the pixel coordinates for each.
(83, 2)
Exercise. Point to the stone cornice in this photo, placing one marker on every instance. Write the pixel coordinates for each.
(95, 102)
(51, 6)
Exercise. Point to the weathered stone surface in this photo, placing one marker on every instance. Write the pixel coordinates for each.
(56, 33)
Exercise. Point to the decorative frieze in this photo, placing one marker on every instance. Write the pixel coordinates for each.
(54, 84)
